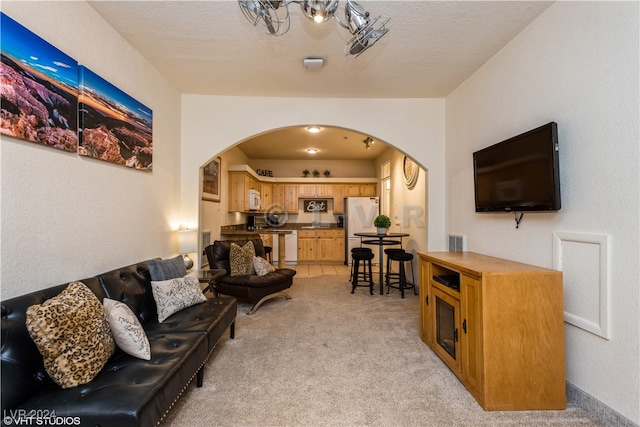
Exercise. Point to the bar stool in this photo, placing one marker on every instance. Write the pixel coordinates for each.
(359, 249)
(402, 284)
(267, 252)
(389, 274)
(366, 274)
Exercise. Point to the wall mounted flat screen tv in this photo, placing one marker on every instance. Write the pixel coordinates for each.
(519, 174)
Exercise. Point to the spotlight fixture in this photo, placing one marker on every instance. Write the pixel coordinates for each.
(312, 150)
(274, 16)
(368, 141)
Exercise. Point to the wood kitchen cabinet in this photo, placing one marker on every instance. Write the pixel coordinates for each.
(498, 325)
(266, 196)
(286, 195)
(359, 190)
(267, 239)
(320, 245)
(239, 185)
(306, 245)
(338, 199)
(315, 190)
(306, 190)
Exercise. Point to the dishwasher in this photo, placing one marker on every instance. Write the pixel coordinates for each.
(290, 247)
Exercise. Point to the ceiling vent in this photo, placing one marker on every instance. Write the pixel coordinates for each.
(312, 63)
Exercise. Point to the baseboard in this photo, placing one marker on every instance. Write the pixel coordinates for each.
(596, 408)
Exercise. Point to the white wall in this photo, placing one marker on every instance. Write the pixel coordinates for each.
(577, 64)
(65, 217)
(211, 124)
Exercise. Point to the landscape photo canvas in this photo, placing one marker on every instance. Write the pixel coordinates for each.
(113, 126)
(39, 88)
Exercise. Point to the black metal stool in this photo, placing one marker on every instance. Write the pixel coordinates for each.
(359, 249)
(365, 257)
(402, 283)
(267, 252)
(389, 274)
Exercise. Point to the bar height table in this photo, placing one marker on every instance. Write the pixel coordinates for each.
(381, 240)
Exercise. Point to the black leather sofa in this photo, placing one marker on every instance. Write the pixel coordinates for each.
(128, 391)
(253, 288)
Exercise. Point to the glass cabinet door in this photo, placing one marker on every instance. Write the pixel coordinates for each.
(446, 328)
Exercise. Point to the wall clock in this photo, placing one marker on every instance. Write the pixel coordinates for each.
(410, 172)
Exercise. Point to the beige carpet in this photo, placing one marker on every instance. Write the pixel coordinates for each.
(330, 358)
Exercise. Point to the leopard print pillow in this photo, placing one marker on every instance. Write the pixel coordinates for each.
(72, 335)
(241, 259)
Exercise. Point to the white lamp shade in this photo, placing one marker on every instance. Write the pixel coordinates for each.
(187, 241)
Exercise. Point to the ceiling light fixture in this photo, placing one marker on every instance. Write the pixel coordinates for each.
(312, 150)
(368, 141)
(313, 129)
(274, 16)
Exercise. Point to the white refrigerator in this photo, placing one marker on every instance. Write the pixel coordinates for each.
(359, 213)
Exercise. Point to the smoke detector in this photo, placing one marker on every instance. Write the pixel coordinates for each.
(312, 63)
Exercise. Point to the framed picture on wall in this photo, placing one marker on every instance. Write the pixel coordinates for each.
(39, 89)
(114, 127)
(211, 180)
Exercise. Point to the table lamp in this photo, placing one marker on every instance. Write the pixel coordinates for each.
(187, 243)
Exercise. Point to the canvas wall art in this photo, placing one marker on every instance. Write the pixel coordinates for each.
(39, 89)
(211, 180)
(113, 126)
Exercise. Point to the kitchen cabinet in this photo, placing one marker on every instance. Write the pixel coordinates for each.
(306, 190)
(266, 196)
(499, 327)
(286, 195)
(338, 199)
(239, 185)
(330, 245)
(359, 190)
(320, 245)
(267, 240)
(306, 245)
(324, 190)
(315, 190)
(368, 190)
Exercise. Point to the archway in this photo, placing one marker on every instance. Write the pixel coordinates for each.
(416, 127)
(409, 203)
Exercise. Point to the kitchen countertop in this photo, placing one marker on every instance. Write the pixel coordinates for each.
(252, 232)
(285, 229)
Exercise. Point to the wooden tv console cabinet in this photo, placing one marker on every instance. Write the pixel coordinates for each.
(501, 332)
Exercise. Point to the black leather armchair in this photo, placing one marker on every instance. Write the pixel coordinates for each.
(253, 288)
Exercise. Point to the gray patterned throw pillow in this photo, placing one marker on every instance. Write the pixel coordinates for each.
(174, 295)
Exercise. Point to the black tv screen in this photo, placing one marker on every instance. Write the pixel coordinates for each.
(520, 173)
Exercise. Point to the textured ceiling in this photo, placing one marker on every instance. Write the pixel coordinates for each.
(208, 47)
